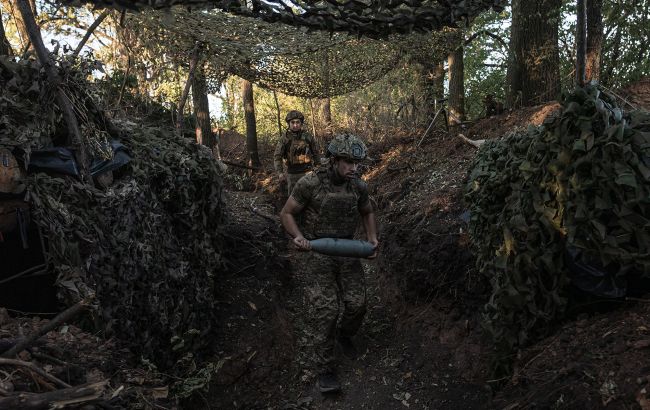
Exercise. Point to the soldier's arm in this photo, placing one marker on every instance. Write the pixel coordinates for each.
(278, 157)
(287, 217)
(370, 225)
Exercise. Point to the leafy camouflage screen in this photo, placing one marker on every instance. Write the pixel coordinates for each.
(563, 203)
(149, 245)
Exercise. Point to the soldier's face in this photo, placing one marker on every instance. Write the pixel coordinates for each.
(295, 125)
(346, 168)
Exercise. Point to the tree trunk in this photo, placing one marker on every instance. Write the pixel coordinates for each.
(186, 90)
(313, 117)
(534, 62)
(456, 86)
(202, 109)
(74, 133)
(277, 112)
(326, 115)
(515, 63)
(434, 86)
(251, 126)
(5, 47)
(90, 30)
(581, 42)
(594, 39)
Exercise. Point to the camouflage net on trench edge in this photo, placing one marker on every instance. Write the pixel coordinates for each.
(580, 181)
(148, 246)
(370, 18)
(281, 57)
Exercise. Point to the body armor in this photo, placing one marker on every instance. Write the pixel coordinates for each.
(297, 151)
(334, 211)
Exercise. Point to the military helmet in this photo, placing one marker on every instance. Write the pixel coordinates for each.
(348, 146)
(293, 115)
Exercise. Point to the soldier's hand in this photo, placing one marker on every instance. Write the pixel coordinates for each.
(302, 243)
(375, 244)
(282, 176)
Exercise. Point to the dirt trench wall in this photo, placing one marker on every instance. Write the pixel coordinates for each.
(558, 205)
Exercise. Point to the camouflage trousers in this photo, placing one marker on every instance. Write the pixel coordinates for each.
(328, 299)
(292, 179)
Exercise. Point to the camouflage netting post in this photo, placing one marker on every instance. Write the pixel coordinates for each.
(573, 192)
(148, 246)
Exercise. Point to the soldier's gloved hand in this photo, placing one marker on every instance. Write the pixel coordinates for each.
(375, 244)
(302, 243)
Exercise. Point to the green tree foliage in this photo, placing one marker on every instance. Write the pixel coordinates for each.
(625, 55)
(155, 64)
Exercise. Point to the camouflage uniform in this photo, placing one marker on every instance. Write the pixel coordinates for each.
(327, 289)
(300, 152)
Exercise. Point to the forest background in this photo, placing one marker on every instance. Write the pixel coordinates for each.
(139, 71)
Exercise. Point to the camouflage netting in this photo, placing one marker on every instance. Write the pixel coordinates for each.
(148, 246)
(575, 191)
(370, 18)
(281, 57)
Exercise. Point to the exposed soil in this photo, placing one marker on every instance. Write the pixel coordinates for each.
(410, 355)
(593, 362)
(422, 342)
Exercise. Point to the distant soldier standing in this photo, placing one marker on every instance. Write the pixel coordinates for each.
(328, 289)
(298, 148)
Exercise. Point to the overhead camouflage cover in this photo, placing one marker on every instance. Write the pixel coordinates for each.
(280, 57)
(573, 191)
(370, 18)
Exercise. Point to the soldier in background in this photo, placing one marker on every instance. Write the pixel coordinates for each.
(297, 148)
(492, 106)
(329, 290)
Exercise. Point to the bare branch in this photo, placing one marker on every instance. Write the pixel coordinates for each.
(190, 77)
(46, 61)
(35, 369)
(487, 33)
(90, 30)
(64, 316)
